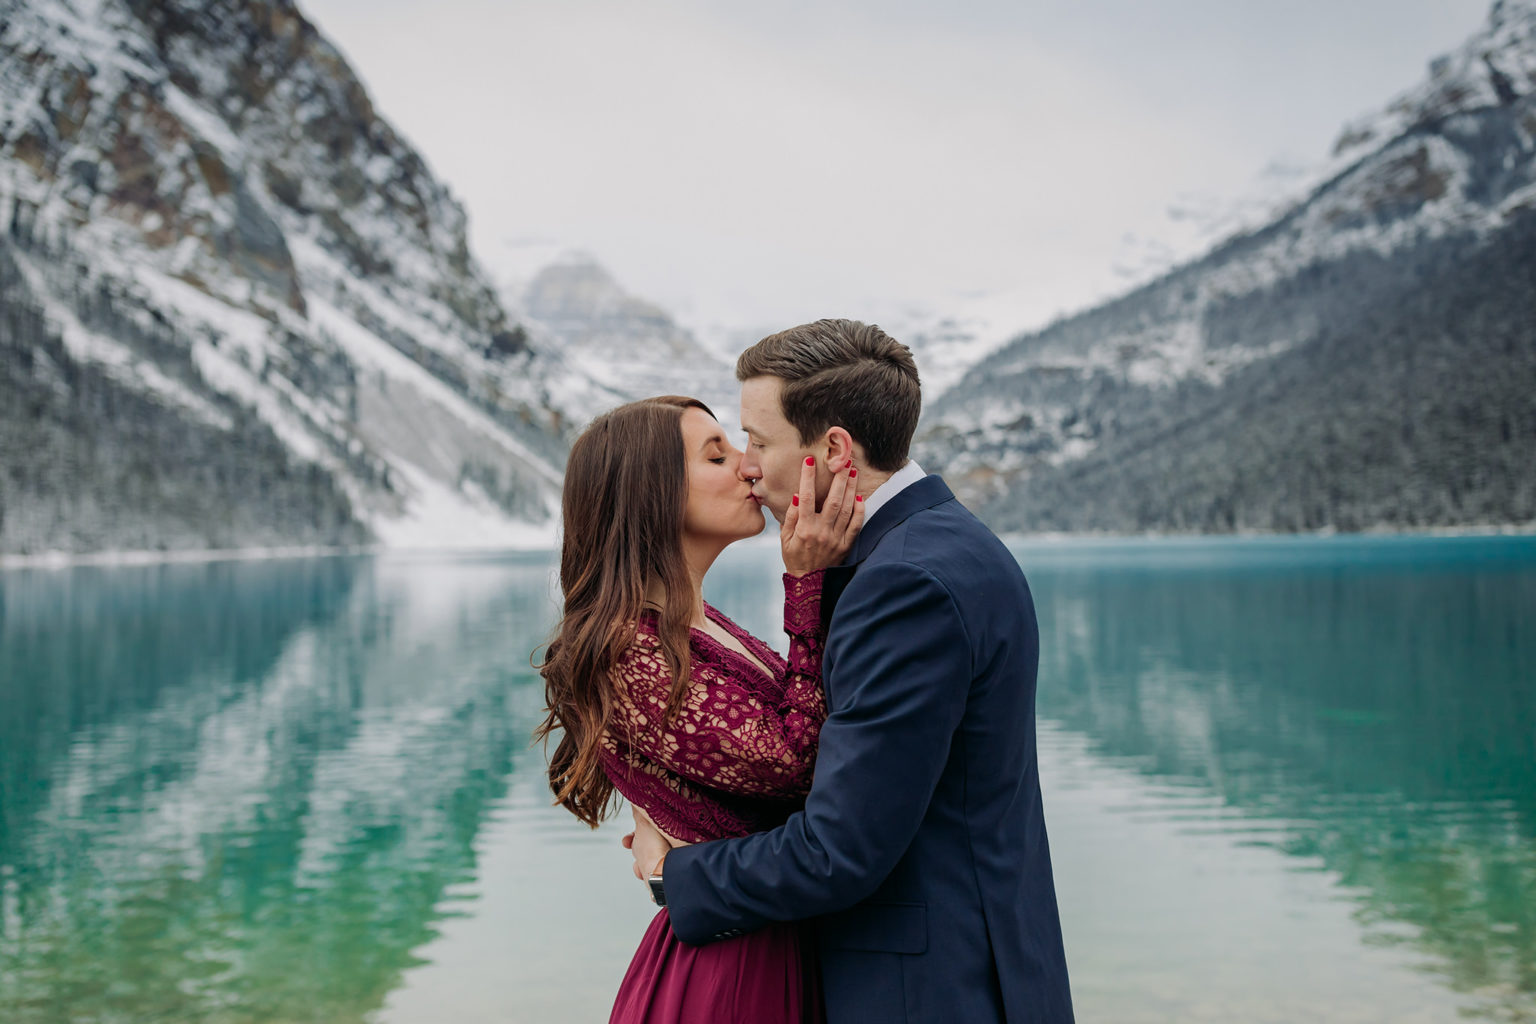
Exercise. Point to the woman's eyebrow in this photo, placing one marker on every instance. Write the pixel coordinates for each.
(712, 439)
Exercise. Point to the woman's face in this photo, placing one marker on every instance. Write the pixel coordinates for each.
(720, 507)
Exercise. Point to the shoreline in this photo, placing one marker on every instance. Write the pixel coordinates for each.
(115, 558)
(198, 556)
(195, 556)
(1503, 530)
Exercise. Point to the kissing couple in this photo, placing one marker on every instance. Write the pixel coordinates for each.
(851, 833)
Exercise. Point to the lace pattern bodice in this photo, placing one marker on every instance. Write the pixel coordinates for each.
(738, 756)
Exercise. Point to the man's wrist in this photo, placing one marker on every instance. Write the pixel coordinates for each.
(654, 880)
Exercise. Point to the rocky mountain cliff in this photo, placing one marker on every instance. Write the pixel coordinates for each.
(1367, 359)
(239, 307)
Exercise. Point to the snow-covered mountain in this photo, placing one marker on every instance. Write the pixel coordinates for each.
(1214, 397)
(213, 236)
(627, 347)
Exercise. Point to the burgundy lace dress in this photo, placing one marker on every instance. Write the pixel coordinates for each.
(736, 759)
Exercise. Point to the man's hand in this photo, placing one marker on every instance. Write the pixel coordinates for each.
(648, 844)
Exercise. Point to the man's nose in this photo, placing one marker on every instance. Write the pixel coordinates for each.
(744, 470)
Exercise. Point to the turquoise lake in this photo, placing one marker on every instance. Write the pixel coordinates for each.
(1286, 780)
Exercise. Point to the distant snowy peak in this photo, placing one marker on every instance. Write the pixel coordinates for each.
(582, 300)
(516, 261)
(629, 347)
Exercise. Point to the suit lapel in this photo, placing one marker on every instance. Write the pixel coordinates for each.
(833, 582)
(925, 493)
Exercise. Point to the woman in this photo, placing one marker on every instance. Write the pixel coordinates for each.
(666, 702)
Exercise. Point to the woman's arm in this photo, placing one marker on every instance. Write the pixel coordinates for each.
(726, 735)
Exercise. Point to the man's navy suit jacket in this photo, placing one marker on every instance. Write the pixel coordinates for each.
(921, 851)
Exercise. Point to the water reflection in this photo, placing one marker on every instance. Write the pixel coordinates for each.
(241, 792)
(271, 792)
(1374, 714)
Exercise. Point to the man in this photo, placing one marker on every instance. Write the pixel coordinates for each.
(922, 850)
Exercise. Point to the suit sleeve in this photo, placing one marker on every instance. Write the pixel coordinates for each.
(900, 677)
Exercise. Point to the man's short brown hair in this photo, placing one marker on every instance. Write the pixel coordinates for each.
(842, 373)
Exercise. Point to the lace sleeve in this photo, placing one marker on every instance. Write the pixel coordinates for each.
(807, 637)
(729, 734)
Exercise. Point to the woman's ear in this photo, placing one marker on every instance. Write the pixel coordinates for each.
(839, 449)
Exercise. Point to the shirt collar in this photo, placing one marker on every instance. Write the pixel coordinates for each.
(897, 482)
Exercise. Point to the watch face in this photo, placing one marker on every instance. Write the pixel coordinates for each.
(658, 893)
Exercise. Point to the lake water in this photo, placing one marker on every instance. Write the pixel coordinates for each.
(1286, 780)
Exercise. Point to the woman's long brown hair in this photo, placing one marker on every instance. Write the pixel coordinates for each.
(626, 487)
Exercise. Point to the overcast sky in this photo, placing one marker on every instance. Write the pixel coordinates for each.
(769, 163)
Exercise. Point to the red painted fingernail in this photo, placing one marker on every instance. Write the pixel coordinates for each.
(858, 497)
(852, 471)
(810, 460)
(794, 499)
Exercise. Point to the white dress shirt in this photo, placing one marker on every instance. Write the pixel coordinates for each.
(898, 481)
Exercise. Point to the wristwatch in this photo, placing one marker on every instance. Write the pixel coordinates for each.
(658, 891)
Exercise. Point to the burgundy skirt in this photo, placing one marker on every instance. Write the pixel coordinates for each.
(764, 977)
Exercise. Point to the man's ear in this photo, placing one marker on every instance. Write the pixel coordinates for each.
(839, 449)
